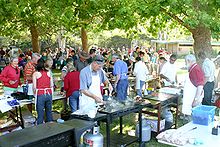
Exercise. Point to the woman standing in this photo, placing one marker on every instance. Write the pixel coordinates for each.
(71, 86)
(42, 87)
(64, 72)
(10, 76)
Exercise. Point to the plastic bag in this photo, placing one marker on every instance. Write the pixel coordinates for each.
(167, 115)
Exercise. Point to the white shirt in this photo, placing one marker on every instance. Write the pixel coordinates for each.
(141, 71)
(208, 67)
(169, 70)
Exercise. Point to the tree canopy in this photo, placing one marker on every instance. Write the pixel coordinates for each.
(45, 17)
(42, 17)
(200, 17)
(27, 15)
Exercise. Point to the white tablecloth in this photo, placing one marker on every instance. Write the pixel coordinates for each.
(202, 133)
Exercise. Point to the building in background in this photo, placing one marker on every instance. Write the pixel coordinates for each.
(179, 47)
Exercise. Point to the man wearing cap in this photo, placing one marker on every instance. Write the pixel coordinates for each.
(121, 83)
(82, 61)
(91, 78)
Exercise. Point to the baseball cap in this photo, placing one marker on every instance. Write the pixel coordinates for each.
(99, 59)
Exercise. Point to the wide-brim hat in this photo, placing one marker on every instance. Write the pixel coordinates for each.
(84, 55)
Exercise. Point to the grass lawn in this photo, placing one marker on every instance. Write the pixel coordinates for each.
(129, 124)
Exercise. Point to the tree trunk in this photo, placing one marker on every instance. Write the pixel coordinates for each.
(202, 41)
(84, 39)
(35, 39)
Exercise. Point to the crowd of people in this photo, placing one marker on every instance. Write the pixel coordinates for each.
(83, 76)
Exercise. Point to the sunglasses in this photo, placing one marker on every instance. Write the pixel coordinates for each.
(99, 61)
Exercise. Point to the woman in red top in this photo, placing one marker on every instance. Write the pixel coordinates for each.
(10, 76)
(42, 87)
(71, 86)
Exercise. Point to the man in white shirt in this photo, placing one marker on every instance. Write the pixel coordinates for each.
(168, 72)
(208, 68)
(140, 71)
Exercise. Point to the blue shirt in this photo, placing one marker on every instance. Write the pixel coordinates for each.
(86, 77)
(120, 68)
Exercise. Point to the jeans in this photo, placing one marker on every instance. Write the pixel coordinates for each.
(44, 104)
(208, 89)
(74, 101)
(122, 88)
(139, 91)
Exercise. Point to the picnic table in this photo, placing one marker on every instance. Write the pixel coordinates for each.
(13, 112)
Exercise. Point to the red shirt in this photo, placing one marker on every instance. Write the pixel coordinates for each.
(196, 75)
(43, 83)
(10, 73)
(71, 82)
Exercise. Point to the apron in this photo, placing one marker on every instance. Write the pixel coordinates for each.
(87, 105)
(45, 92)
(189, 93)
(43, 89)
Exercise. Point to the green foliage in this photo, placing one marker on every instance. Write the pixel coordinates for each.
(48, 16)
(16, 16)
(188, 13)
(24, 45)
(116, 42)
(97, 15)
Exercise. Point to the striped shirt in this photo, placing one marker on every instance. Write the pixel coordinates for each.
(28, 71)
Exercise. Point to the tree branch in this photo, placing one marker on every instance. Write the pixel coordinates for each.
(180, 21)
